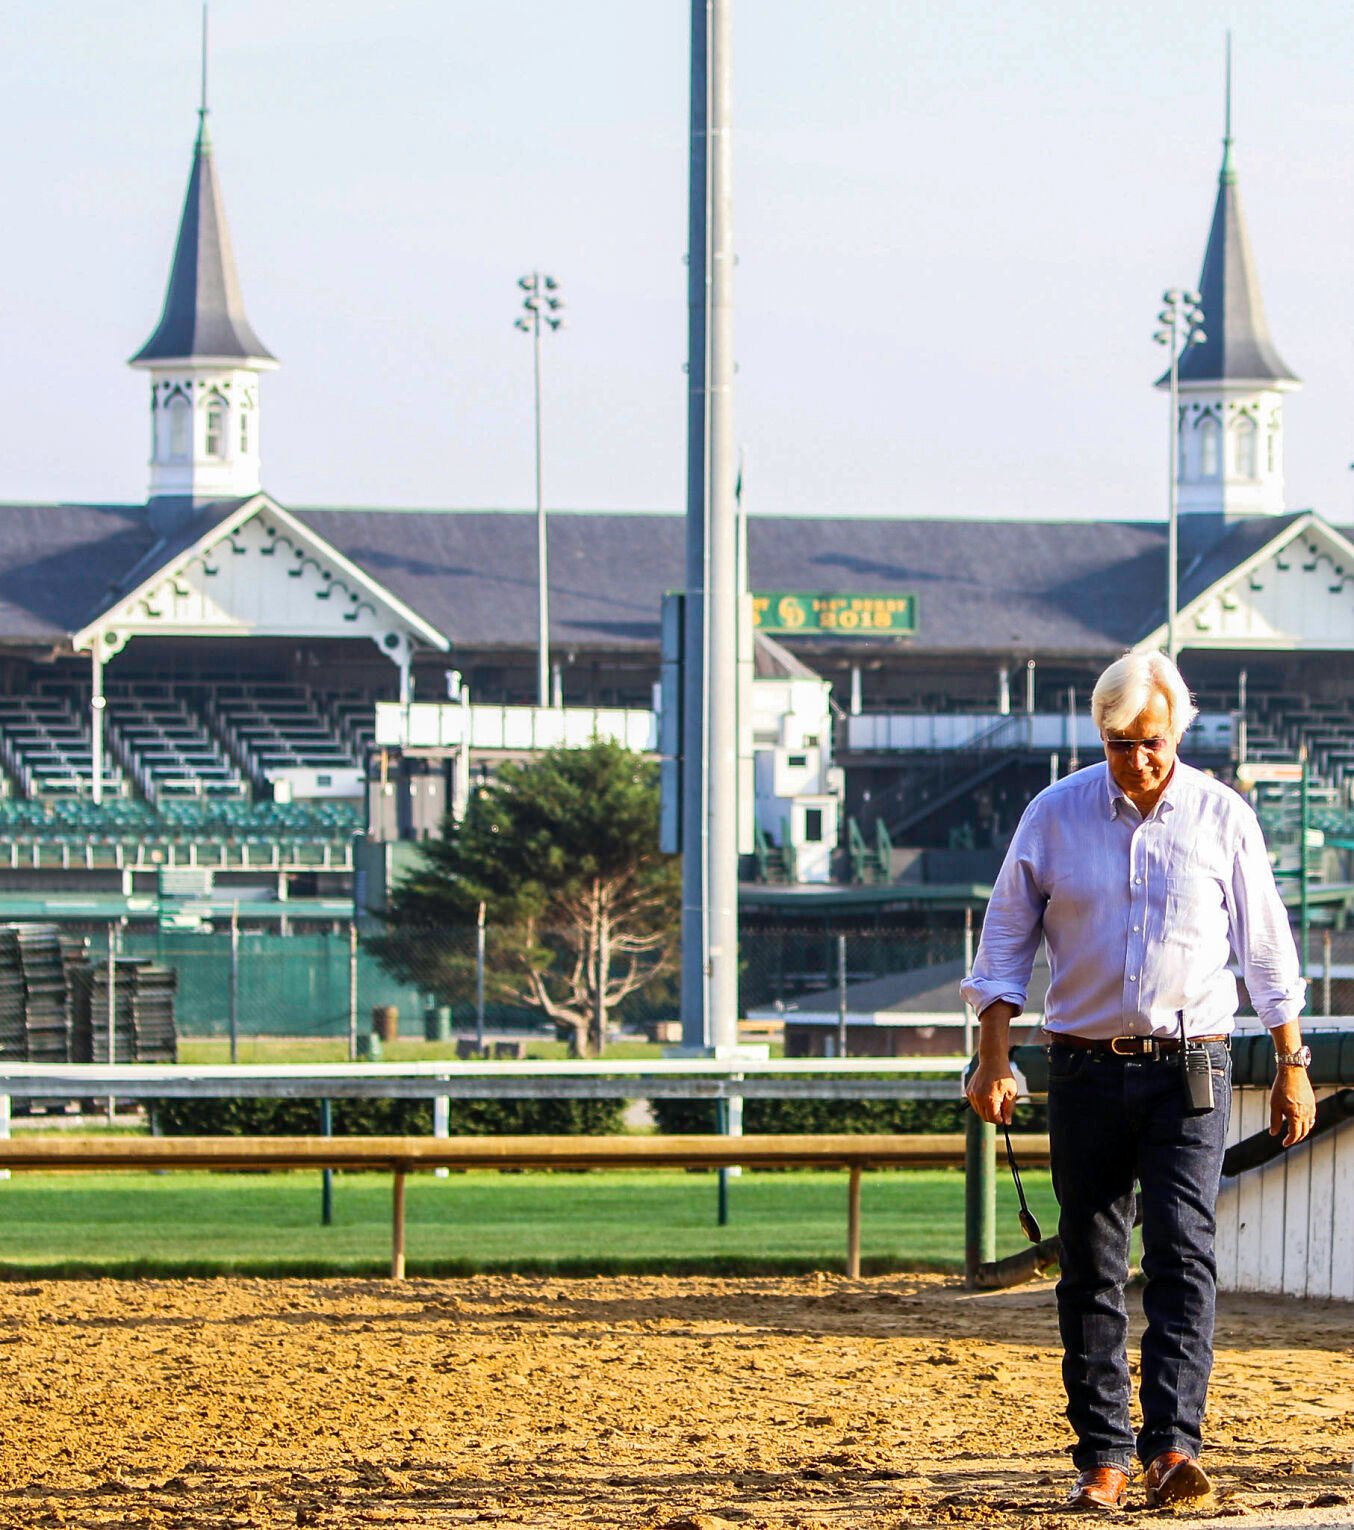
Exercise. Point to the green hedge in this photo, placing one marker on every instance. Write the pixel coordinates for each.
(532, 1118)
(385, 1118)
(809, 1116)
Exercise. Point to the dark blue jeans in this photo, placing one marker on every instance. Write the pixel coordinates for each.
(1113, 1121)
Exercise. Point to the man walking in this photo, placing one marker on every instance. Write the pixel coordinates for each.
(1142, 875)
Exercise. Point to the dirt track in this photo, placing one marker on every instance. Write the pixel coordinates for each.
(805, 1404)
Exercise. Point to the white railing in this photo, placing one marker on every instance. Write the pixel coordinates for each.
(696, 1078)
(441, 725)
(883, 732)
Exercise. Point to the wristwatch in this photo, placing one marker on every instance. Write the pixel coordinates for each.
(1302, 1058)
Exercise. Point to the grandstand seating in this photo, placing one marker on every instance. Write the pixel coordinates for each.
(170, 752)
(184, 760)
(183, 742)
(126, 833)
(273, 729)
(1286, 721)
(128, 818)
(45, 744)
(354, 719)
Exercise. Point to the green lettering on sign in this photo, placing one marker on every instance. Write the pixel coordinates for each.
(853, 615)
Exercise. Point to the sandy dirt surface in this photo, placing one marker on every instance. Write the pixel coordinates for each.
(775, 1404)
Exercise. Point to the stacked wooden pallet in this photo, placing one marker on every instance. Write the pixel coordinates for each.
(142, 1013)
(54, 1003)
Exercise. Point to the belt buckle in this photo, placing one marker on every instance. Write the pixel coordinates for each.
(1133, 1046)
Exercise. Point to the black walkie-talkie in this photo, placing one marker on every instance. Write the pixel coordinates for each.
(1198, 1073)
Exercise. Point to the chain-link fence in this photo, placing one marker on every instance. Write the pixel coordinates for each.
(783, 962)
(457, 981)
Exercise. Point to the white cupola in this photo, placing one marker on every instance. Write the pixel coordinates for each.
(204, 361)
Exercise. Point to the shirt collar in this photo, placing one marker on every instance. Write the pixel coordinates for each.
(1118, 798)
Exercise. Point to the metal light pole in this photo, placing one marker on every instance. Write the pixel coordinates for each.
(1181, 323)
(710, 705)
(542, 304)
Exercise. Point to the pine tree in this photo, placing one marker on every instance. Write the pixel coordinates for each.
(581, 906)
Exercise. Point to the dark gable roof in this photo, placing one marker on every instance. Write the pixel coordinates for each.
(1237, 347)
(1056, 586)
(204, 312)
(57, 563)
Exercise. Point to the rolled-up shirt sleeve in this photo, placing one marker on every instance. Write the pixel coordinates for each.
(1261, 935)
(1012, 927)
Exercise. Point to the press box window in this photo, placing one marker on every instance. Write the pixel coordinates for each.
(796, 761)
(813, 826)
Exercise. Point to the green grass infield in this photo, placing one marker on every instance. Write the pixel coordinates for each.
(181, 1223)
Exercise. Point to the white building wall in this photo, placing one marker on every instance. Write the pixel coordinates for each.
(796, 790)
(1287, 1228)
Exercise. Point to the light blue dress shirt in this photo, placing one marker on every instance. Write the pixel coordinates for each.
(1141, 915)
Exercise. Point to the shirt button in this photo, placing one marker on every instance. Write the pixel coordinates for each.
(1136, 928)
(1132, 977)
(1137, 881)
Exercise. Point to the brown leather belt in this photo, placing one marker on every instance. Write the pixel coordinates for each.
(1126, 1046)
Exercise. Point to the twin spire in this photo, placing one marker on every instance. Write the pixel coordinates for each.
(204, 358)
(204, 313)
(1229, 429)
(1238, 347)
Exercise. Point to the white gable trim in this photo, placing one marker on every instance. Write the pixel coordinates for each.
(181, 596)
(1283, 598)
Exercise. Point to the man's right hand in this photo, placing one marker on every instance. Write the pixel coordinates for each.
(991, 1090)
(991, 1087)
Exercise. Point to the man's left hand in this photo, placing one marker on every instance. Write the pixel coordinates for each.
(1292, 1105)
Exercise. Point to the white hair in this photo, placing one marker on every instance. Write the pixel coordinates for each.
(1124, 690)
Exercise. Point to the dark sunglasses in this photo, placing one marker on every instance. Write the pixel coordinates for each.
(1128, 745)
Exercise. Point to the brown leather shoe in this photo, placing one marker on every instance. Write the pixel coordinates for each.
(1099, 1487)
(1174, 1477)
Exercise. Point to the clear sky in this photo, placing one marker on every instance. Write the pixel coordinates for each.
(954, 221)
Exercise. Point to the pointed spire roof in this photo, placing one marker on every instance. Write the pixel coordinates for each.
(204, 312)
(1238, 347)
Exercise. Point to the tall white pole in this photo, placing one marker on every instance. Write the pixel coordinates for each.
(542, 551)
(721, 675)
(695, 1033)
(97, 706)
(710, 707)
(1173, 503)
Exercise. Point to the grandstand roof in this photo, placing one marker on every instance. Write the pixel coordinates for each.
(1076, 587)
(1084, 588)
(204, 313)
(57, 562)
